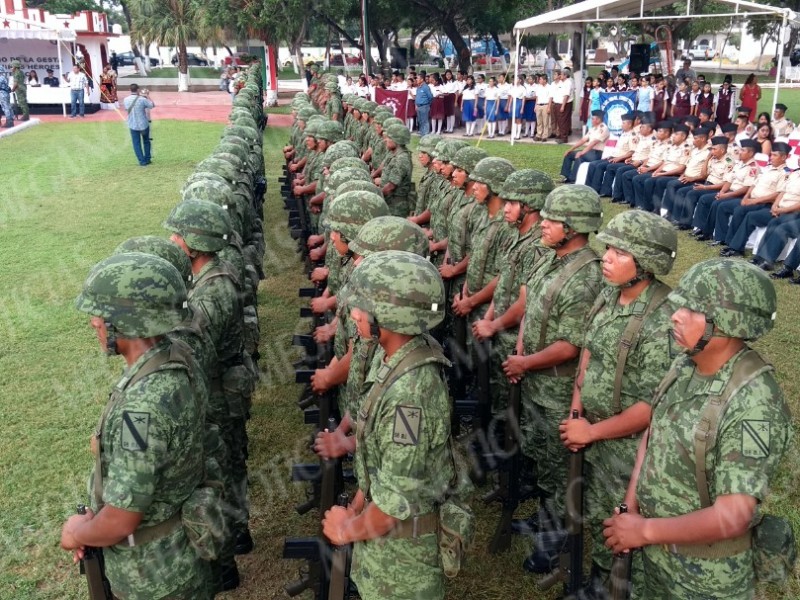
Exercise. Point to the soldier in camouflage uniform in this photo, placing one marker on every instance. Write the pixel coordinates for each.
(425, 149)
(395, 178)
(377, 235)
(149, 443)
(524, 192)
(442, 199)
(202, 229)
(5, 98)
(376, 151)
(20, 88)
(333, 107)
(694, 501)
(403, 458)
(558, 297)
(620, 369)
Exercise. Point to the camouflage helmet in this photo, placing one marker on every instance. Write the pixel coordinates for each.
(332, 86)
(223, 168)
(229, 147)
(438, 148)
(466, 158)
(369, 107)
(340, 176)
(392, 120)
(217, 193)
(359, 104)
(736, 296)
(205, 176)
(401, 291)
(449, 150)
(312, 128)
(428, 142)
(342, 149)
(399, 134)
(161, 247)
(203, 225)
(243, 131)
(382, 114)
(330, 131)
(577, 206)
(527, 186)
(16, 64)
(649, 238)
(243, 117)
(390, 233)
(349, 162)
(358, 186)
(305, 113)
(348, 212)
(493, 172)
(233, 159)
(141, 295)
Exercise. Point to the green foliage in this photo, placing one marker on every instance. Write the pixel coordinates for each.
(65, 6)
(172, 23)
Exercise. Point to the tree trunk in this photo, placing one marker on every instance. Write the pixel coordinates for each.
(577, 51)
(462, 52)
(183, 68)
(552, 45)
(126, 12)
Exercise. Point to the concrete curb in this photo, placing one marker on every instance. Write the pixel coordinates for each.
(17, 128)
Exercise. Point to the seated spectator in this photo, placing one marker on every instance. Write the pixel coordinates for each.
(51, 80)
(592, 143)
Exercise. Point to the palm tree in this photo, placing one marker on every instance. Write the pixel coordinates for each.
(167, 23)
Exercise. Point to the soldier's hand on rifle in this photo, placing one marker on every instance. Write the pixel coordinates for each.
(314, 240)
(319, 274)
(624, 532)
(323, 304)
(68, 541)
(514, 368)
(483, 329)
(447, 271)
(315, 208)
(576, 434)
(317, 254)
(333, 525)
(324, 333)
(321, 379)
(462, 304)
(333, 444)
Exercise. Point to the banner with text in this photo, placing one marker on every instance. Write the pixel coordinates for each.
(396, 101)
(34, 55)
(614, 105)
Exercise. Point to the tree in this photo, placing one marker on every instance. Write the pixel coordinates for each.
(169, 23)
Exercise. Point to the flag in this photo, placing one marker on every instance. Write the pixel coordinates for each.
(614, 105)
(397, 101)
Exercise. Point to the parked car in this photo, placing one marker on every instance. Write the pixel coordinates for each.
(701, 52)
(591, 54)
(125, 59)
(336, 60)
(193, 60)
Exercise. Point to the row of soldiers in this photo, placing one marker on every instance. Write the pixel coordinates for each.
(169, 502)
(601, 339)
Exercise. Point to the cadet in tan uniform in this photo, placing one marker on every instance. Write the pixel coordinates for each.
(626, 144)
(673, 162)
(781, 126)
(643, 142)
(737, 183)
(695, 171)
(593, 143)
(652, 161)
(759, 199)
(788, 202)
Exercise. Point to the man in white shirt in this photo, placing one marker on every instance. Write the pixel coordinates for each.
(544, 101)
(78, 83)
(562, 105)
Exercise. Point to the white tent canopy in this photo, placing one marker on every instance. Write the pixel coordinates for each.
(573, 18)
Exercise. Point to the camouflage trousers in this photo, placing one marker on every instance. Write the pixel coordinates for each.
(541, 442)
(503, 345)
(604, 489)
(5, 105)
(22, 102)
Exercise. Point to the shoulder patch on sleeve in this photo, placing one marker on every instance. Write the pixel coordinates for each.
(755, 439)
(135, 427)
(407, 421)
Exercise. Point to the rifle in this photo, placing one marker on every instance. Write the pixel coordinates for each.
(570, 562)
(340, 566)
(619, 581)
(94, 568)
(508, 488)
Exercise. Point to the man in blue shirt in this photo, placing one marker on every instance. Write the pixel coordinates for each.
(423, 102)
(137, 105)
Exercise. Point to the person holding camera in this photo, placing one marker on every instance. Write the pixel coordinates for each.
(138, 104)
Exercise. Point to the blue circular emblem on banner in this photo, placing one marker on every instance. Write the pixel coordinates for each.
(614, 105)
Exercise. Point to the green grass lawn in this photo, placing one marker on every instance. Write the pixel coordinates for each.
(72, 193)
(172, 73)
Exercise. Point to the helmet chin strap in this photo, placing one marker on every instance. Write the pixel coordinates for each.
(568, 235)
(374, 328)
(708, 333)
(111, 339)
(524, 211)
(641, 275)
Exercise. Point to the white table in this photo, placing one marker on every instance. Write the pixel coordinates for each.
(50, 95)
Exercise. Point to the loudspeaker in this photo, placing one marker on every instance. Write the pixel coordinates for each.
(640, 59)
(399, 58)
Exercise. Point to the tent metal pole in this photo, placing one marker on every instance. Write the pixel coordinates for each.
(780, 63)
(514, 98)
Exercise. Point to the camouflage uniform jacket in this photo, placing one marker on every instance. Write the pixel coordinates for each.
(407, 456)
(753, 434)
(566, 321)
(397, 170)
(490, 241)
(647, 363)
(523, 253)
(425, 182)
(151, 460)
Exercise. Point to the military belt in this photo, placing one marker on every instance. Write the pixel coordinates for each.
(717, 550)
(415, 527)
(145, 535)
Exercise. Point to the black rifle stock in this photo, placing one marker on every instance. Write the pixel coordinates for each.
(340, 565)
(93, 567)
(570, 562)
(619, 581)
(509, 473)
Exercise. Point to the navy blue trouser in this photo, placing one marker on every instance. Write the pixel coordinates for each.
(612, 170)
(594, 176)
(779, 231)
(570, 164)
(643, 191)
(793, 259)
(659, 188)
(674, 187)
(624, 183)
(745, 220)
(705, 215)
(724, 213)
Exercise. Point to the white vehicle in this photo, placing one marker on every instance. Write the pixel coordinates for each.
(701, 52)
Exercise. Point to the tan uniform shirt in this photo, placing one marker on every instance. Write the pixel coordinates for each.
(644, 145)
(676, 156)
(696, 162)
(767, 181)
(600, 134)
(718, 169)
(790, 186)
(782, 127)
(658, 153)
(625, 144)
(742, 175)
